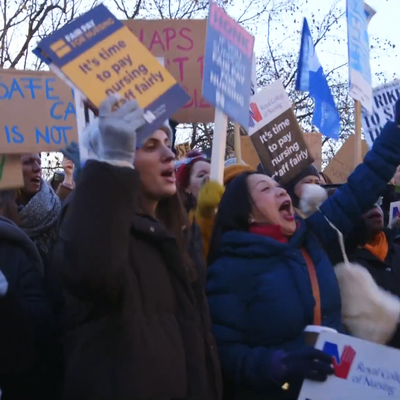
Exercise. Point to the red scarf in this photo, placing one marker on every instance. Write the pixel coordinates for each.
(272, 231)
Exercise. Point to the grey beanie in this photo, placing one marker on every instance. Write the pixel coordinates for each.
(167, 129)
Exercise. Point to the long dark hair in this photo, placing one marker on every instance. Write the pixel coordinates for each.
(233, 213)
(8, 205)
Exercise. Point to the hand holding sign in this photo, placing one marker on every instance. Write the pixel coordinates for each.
(118, 130)
(68, 167)
(71, 152)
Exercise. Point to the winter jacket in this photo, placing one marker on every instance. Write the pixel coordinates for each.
(386, 273)
(26, 318)
(136, 328)
(259, 290)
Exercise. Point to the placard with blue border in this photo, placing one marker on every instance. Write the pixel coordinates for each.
(101, 57)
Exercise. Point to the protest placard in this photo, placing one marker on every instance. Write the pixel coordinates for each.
(394, 211)
(249, 154)
(314, 144)
(228, 65)
(342, 165)
(101, 56)
(276, 134)
(385, 97)
(181, 42)
(182, 149)
(363, 370)
(37, 112)
(11, 171)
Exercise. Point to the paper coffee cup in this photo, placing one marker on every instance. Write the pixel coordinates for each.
(311, 333)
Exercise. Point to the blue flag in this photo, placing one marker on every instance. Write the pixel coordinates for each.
(311, 78)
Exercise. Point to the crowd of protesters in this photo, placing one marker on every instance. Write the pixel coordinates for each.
(126, 277)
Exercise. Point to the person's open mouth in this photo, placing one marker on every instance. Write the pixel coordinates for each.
(36, 180)
(286, 211)
(169, 174)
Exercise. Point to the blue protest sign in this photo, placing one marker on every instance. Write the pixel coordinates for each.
(358, 48)
(228, 65)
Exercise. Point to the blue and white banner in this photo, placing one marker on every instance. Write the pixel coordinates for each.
(358, 49)
(385, 97)
(311, 78)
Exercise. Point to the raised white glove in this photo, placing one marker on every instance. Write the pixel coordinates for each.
(117, 131)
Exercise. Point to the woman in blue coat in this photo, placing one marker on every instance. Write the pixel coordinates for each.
(270, 275)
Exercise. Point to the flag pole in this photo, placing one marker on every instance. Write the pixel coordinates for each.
(358, 143)
(237, 144)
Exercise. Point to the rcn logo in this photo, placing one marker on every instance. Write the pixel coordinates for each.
(255, 115)
(342, 364)
(149, 117)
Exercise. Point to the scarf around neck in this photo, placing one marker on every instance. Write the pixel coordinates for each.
(379, 247)
(39, 216)
(272, 231)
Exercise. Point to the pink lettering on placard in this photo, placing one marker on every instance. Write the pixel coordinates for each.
(156, 40)
(165, 39)
(178, 41)
(197, 100)
(181, 61)
(231, 30)
(184, 33)
(203, 103)
(170, 34)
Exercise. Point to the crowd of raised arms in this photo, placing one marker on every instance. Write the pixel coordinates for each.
(135, 277)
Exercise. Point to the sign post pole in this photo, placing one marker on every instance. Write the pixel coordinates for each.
(238, 149)
(218, 146)
(358, 143)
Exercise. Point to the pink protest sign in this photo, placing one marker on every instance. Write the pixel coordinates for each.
(181, 43)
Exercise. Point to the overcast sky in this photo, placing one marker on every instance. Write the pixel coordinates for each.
(331, 54)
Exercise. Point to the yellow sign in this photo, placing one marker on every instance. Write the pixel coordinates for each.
(119, 64)
(101, 57)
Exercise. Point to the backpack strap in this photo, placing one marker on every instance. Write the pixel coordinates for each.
(315, 286)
